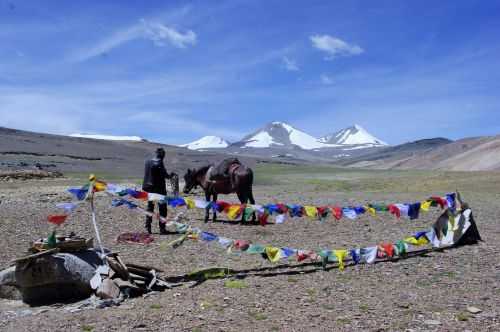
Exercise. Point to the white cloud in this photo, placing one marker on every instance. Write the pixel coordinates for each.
(325, 79)
(289, 64)
(334, 47)
(162, 35)
(159, 33)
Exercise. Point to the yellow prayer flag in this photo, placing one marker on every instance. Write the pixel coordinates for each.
(273, 254)
(371, 211)
(425, 205)
(233, 211)
(341, 255)
(416, 242)
(311, 211)
(189, 203)
(100, 186)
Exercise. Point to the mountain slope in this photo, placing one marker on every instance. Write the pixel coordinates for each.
(468, 154)
(23, 149)
(354, 135)
(207, 142)
(280, 134)
(388, 157)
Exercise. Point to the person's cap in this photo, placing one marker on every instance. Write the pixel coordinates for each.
(160, 150)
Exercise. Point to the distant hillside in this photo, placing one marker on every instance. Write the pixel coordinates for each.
(468, 154)
(22, 149)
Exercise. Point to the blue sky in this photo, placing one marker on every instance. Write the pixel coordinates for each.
(174, 71)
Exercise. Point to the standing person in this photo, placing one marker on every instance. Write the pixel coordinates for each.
(154, 182)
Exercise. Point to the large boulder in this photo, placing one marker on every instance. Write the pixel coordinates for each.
(61, 277)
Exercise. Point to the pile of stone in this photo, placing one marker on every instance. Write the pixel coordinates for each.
(28, 175)
(72, 271)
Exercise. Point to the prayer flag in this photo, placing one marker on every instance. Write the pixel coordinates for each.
(356, 255)
(155, 197)
(68, 207)
(256, 249)
(57, 219)
(201, 203)
(425, 205)
(206, 236)
(280, 218)
(273, 254)
(225, 242)
(311, 211)
(233, 211)
(190, 203)
(79, 193)
(241, 244)
(349, 213)
(340, 255)
(369, 254)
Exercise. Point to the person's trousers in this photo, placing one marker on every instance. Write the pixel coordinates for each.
(162, 207)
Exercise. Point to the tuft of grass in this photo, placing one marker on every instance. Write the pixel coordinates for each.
(462, 317)
(257, 315)
(364, 307)
(343, 320)
(311, 292)
(450, 274)
(292, 279)
(87, 328)
(156, 306)
(235, 284)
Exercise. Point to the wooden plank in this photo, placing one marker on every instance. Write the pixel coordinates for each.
(37, 255)
(143, 267)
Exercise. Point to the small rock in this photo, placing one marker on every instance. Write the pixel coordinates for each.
(432, 322)
(473, 310)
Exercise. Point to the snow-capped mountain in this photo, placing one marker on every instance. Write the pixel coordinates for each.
(280, 134)
(207, 142)
(355, 136)
(110, 137)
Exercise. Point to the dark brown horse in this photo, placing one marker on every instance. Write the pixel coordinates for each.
(240, 181)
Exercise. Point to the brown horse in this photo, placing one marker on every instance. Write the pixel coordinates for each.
(240, 181)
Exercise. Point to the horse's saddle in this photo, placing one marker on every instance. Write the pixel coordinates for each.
(224, 171)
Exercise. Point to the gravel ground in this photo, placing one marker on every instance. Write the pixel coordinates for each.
(425, 293)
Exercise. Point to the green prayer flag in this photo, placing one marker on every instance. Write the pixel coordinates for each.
(247, 213)
(256, 249)
(52, 240)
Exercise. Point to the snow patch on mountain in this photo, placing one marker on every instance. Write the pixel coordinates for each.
(261, 140)
(109, 137)
(281, 134)
(207, 142)
(354, 135)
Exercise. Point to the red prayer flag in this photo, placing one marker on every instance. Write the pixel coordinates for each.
(394, 210)
(142, 195)
(337, 212)
(388, 249)
(57, 219)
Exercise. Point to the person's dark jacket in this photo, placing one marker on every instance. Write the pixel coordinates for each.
(154, 177)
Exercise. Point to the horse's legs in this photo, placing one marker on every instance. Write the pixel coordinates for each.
(207, 209)
(252, 201)
(214, 219)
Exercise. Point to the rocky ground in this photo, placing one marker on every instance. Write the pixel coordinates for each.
(427, 293)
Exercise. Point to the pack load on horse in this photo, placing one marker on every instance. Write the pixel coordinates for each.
(229, 176)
